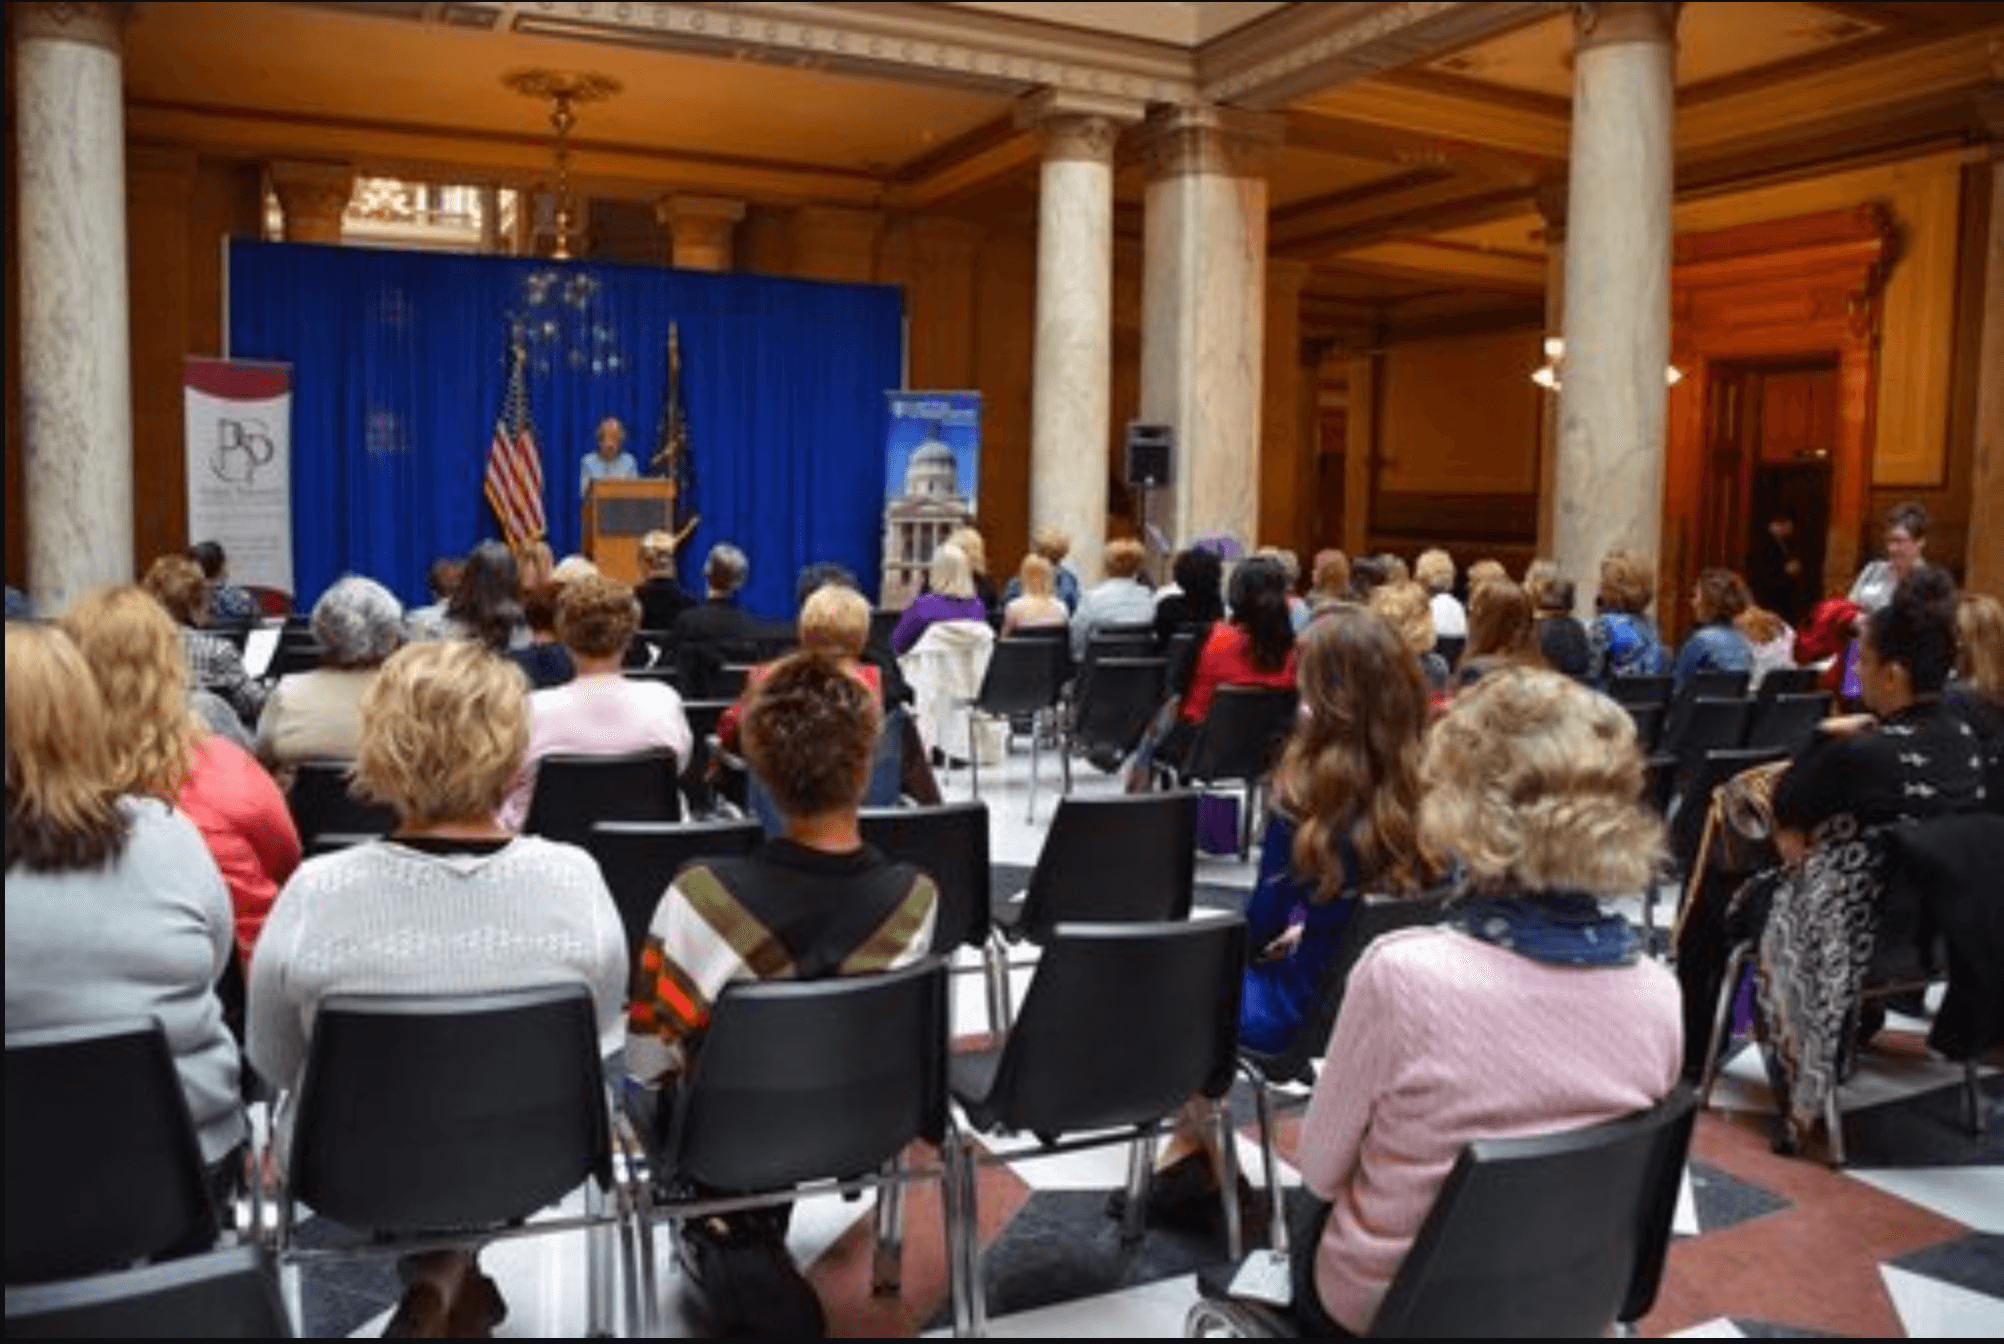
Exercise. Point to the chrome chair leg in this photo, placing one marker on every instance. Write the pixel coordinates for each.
(1228, 1178)
(1140, 1176)
(1729, 990)
(1972, 1098)
(887, 1263)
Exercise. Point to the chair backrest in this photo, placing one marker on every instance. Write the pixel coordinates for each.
(1548, 1235)
(573, 792)
(1115, 859)
(1023, 676)
(1787, 681)
(803, 1079)
(1698, 724)
(728, 681)
(663, 674)
(1103, 644)
(301, 654)
(1122, 1024)
(639, 858)
(227, 1294)
(881, 624)
(320, 802)
(951, 843)
(1118, 701)
(1648, 724)
(1242, 734)
(1787, 720)
(103, 1166)
(422, 1112)
(1722, 685)
(1941, 892)
(1639, 690)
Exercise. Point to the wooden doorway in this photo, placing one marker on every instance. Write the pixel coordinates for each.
(1771, 438)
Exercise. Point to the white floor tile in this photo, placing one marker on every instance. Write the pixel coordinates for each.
(1931, 1309)
(1971, 1195)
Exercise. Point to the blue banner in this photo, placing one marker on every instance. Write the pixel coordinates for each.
(932, 471)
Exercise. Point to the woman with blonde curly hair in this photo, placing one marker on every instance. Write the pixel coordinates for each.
(114, 907)
(162, 749)
(1531, 1009)
(448, 903)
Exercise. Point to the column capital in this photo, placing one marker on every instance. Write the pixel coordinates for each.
(1605, 24)
(1073, 125)
(699, 229)
(313, 197)
(1204, 138)
(97, 25)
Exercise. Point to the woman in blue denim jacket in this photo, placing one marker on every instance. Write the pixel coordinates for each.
(1717, 644)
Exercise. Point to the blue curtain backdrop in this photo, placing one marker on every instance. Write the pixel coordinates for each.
(400, 361)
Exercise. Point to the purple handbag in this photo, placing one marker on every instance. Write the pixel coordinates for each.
(1218, 823)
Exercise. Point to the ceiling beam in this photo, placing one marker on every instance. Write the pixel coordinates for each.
(1403, 145)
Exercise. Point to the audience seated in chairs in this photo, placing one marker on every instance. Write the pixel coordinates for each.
(1053, 543)
(451, 903)
(441, 579)
(969, 542)
(1576, 1024)
(230, 607)
(163, 750)
(813, 902)
(1976, 692)
(1405, 608)
(544, 660)
(835, 621)
(1253, 648)
(949, 596)
(1194, 603)
(1120, 599)
(1717, 644)
(486, 604)
(943, 641)
(1501, 632)
(1346, 802)
(1039, 607)
(717, 631)
(317, 715)
(115, 908)
(1771, 641)
(214, 662)
(662, 599)
(601, 712)
(1623, 639)
(1562, 639)
(1434, 571)
(1909, 758)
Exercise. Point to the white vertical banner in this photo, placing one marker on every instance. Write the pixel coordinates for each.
(239, 451)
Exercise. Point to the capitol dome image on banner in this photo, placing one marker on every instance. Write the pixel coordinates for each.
(932, 469)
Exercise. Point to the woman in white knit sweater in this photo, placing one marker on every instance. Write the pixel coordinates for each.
(449, 903)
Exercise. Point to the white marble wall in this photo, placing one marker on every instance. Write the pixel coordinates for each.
(76, 376)
(1071, 392)
(1203, 314)
(1613, 400)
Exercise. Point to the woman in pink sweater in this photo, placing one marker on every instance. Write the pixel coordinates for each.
(1529, 1011)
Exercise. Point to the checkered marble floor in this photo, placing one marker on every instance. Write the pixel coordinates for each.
(1908, 1240)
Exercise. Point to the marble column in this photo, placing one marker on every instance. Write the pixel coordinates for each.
(1985, 562)
(1613, 396)
(1283, 442)
(700, 230)
(76, 370)
(1071, 398)
(1202, 310)
(313, 197)
(1551, 200)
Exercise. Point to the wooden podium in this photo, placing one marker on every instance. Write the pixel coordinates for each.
(617, 514)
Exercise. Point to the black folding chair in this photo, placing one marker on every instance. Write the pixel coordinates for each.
(572, 793)
(1023, 680)
(1640, 690)
(103, 1166)
(1696, 726)
(1787, 681)
(639, 858)
(1122, 1025)
(1114, 708)
(1719, 685)
(1788, 720)
(1238, 742)
(322, 802)
(226, 1294)
(803, 1088)
(429, 1120)
(1549, 1236)
(950, 842)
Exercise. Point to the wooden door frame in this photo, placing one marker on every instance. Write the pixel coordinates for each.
(1807, 287)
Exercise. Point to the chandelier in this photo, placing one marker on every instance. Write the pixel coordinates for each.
(564, 90)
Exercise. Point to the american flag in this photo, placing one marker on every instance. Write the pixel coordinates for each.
(671, 441)
(514, 466)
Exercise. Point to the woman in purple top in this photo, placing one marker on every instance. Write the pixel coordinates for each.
(950, 597)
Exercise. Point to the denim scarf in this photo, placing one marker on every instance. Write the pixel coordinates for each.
(1561, 928)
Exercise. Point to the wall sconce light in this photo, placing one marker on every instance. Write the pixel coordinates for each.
(1546, 375)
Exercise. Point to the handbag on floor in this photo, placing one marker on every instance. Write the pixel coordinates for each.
(1218, 823)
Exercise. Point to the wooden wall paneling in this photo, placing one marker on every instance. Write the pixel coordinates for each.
(1006, 288)
(159, 198)
(15, 487)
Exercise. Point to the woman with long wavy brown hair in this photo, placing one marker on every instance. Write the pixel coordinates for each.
(1344, 822)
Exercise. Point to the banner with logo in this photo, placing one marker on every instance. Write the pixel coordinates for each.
(932, 474)
(239, 421)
